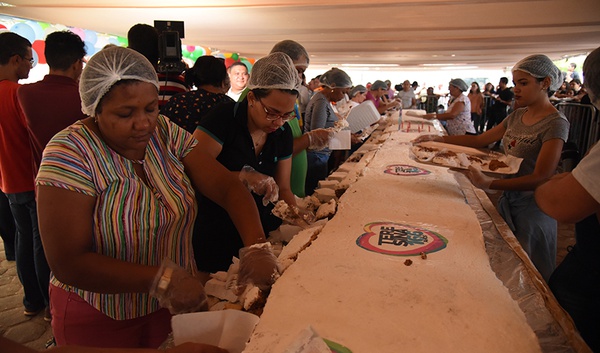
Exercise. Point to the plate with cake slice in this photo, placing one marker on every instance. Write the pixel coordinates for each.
(455, 156)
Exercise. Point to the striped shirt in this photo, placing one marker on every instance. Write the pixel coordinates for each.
(132, 221)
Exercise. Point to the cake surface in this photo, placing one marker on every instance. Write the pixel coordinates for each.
(354, 285)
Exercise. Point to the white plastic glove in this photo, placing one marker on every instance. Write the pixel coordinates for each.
(260, 184)
(258, 266)
(479, 179)
(428, 137)
(177, 290)
(318, 139)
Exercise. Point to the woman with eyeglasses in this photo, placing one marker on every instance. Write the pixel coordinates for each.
(250, 138)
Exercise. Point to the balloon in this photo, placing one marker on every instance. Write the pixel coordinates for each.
(39, 46)
(207, 51)
(80, 32)
(91, 37)
(219, 55)
(24, 30)
(36, 59)
(37, 29)
(122, 41)
(44, 25)
(229, 62)
(2, 26)
(190, 48)
(89, 48)
(113, 40)
(201, 50)
(247, 63)
(235, 56)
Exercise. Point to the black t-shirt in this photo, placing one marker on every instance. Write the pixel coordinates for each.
(506, 95)
(216, 239)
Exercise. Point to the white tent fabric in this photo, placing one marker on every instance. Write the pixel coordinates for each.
(412, 34)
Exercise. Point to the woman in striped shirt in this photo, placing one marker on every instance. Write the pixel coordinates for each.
(116, 200)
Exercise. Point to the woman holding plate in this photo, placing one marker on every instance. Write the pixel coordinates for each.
(536, 133)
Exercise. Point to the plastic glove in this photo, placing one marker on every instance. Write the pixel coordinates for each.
(260, 184)
(258, 266)
(318, 139)
(177, 290)
(428, 137)
(479, 179)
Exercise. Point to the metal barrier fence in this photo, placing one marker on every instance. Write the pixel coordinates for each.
(584, 131)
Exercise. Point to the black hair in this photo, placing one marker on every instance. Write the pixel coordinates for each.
(63, 49)
(237, 63)
(504, 80)
(143, 38)
(577, 81)
(12, 44)
(292, 48)
(206, 70)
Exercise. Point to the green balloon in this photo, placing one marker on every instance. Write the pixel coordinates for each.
(235, 56)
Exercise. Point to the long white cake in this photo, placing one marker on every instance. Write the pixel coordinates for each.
(349, 288)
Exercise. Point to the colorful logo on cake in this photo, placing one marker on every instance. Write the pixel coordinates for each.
(405, 169)
(400, 239)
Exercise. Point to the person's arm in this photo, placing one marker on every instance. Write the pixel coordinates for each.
(220, 185)
(452, 113)
(300, 144)
(383, 106)
(545, 167)
(564, 199)
(187, 347)
(65, 221)
(318, 119)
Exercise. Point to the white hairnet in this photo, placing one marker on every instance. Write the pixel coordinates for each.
(460, 84)
(106, 68)
(274, 71)
(540, 66)
(336, 78)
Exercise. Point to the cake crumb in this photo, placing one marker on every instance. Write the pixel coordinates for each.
(423, 256)
(408, 262)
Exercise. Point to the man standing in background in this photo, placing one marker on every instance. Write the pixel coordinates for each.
(502, 100)
(238, 75)
(16, 173)
(64, 53)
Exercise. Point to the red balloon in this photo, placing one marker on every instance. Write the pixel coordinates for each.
(229, 62)
(39, 46)
(2, 26)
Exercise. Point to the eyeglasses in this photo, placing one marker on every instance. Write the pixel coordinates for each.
(31, 60)
(272, 116)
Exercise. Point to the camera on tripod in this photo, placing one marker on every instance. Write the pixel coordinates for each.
(169, 46)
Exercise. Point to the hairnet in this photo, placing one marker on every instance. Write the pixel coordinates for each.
(540, 66)
(106, 68)
(460, 84)
(336, 78)
(357, 89)
(378, 84)
(274, 71)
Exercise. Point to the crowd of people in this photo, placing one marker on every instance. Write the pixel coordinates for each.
(119, 202)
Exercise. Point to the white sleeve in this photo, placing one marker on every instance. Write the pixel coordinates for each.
(587, 172)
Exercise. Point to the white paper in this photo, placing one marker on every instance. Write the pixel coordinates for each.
(362, 116)
(340, 140)
(227, 329)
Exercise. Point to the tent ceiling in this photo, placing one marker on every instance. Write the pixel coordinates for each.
(410, 33)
